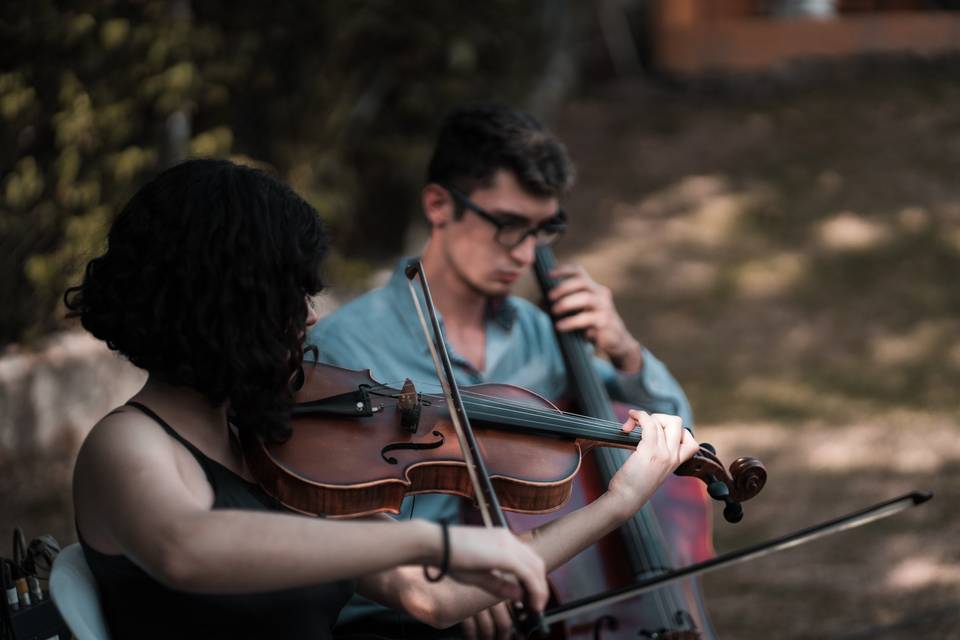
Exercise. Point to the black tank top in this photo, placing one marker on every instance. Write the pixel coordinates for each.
(137, 606)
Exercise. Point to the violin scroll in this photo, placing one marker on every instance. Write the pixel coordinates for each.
(742, 482)
(749, 477)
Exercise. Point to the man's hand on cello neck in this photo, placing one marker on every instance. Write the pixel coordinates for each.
(581, 303)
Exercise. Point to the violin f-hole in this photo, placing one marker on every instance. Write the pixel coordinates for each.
(411, 446)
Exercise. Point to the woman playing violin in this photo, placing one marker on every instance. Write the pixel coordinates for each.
(205, 285)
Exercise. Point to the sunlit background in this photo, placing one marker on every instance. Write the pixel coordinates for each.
(769, 187)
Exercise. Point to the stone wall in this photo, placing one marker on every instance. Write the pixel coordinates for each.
(50, 398)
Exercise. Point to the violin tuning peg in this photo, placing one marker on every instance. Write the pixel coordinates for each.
(733, 512)
(718, 489)
(709, 447)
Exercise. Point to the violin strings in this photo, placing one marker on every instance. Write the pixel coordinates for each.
(524, 414)
(596, 424)
(492, 402)
(552, 420)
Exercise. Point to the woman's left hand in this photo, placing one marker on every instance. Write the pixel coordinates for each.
(663, 446)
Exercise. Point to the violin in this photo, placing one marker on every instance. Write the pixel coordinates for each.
(320, 476)
(359, 447)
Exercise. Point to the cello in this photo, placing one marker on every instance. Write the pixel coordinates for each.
(678, 511)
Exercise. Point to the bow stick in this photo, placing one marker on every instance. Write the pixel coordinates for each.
(525, 621)
(849, 521)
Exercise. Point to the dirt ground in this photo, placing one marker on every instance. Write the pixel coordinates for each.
(792, 254)
(897, 578)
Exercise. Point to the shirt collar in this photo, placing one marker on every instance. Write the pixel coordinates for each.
(502, 311)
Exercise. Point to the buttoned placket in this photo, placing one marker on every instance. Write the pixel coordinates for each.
(501, 313)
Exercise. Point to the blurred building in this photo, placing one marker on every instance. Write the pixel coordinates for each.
(692, 37)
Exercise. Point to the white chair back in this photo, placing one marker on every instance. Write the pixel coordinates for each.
(74, 591)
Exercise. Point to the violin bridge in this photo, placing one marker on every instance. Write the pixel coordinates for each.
(409, 404)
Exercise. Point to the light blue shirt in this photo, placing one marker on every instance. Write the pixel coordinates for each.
(380, 331)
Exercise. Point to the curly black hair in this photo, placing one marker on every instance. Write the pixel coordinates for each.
(203, 285)
(476, 140)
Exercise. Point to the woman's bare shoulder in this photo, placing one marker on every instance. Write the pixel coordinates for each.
(123, 447)
(130, 458)
(122, 434)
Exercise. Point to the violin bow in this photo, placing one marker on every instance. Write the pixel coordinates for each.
(525, 621)
(856, 519)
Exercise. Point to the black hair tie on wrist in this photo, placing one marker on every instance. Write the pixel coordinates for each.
(445, 559)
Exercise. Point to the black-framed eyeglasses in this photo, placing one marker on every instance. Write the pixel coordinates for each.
(511, 234)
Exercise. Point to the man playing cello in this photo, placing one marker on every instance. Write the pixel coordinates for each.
(492, 194)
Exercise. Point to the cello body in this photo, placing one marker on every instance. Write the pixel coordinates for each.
(682, 509)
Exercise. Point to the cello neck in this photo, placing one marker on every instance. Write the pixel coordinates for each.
(590, 395)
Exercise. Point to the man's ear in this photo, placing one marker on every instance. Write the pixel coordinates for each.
(438, 205)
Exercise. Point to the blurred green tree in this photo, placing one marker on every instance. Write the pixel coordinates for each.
(340, 99)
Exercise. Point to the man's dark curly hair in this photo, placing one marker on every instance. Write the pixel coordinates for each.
(475, 141)
(203, 285)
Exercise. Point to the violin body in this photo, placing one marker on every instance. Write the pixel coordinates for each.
(346, 466)
(358, 447)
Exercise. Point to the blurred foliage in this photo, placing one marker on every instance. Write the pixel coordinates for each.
(340, 99)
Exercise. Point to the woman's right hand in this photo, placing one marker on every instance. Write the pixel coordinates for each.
(498, 562)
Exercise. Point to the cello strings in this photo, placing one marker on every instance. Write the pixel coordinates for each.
(610, 460)
(639, 528)
(643, 527)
